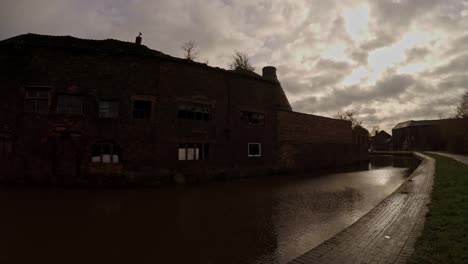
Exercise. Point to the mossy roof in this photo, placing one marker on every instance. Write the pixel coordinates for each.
(107, 46)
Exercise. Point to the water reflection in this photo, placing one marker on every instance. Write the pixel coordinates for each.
(264, 220)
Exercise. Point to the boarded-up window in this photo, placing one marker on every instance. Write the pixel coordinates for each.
(105, 153)
(5, 145)
(193, 111)
(254, 149)
(36, 100)
(252, 118)
(194, 151)
(108, 109)
(70, 104)
(141, 109)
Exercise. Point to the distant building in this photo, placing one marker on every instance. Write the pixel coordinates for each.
(442, 135)
(382, 141)
(86, 111)
(361, 141)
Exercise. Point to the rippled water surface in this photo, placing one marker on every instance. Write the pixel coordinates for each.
(263, 220)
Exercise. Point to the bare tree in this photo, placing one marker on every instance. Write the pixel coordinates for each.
(242, 61)
(190, 50)
(462, 107)
(349, 116)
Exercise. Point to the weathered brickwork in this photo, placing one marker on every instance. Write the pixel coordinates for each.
(445, 134)
(309, 141)
(56, 147)
(293, 126)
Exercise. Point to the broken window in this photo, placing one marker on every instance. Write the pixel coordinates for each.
(36, 100)
(194, 111)
(105, 153)
(141, 109)
(254, 149)
(252, 118)
(194, 151)
(108, 109)
(5, 145)
(70, 104)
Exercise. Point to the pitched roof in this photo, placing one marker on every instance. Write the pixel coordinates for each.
(107, 46)
(69, 43)
(412, 123)
(382, 133)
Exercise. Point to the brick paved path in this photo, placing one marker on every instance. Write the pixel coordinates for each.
(387, 233)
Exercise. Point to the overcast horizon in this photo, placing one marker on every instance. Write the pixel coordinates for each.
(389, 61)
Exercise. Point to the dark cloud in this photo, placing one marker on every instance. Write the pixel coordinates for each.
(339, 98)
(454, 81)
(360, 56)
(381, 40)
(416, 54)
(397, 16)
(331, 65)
(455, 66)
(460, 45)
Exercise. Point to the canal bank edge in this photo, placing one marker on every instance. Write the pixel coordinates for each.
(388, 232)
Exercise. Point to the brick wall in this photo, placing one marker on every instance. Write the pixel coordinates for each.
(455, 134)
(304, 128)
(149, 147)
(57, 147)
(308, 142)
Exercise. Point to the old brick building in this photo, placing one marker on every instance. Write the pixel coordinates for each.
(75, 110)
(442, 135)
(381, 141)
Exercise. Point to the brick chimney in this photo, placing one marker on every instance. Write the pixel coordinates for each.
(138, 39)
(269, 72)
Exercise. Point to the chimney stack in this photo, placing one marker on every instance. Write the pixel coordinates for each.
(138, 39)
(269, 72)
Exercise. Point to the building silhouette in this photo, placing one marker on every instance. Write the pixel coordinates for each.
(107, 111)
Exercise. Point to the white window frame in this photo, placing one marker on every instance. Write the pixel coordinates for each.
(199, 151)
(259, 149)
(111, 158)
(112, 107)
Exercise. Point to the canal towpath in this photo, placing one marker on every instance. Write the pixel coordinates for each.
(388, 232)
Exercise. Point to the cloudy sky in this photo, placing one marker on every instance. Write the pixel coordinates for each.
(389, 61)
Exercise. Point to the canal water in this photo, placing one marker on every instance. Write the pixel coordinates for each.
(254, 221)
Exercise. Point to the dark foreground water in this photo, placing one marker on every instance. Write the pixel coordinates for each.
(264, 220)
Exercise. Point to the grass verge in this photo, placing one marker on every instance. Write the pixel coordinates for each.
(445, 235)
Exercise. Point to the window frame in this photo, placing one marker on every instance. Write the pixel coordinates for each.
(114, 150)
(259, 149)
(203, 153)
(113, 105)
(187, 111)
(35, 99)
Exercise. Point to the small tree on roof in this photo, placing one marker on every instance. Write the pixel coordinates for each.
(240, 60)
(349, 116)
(190, 50)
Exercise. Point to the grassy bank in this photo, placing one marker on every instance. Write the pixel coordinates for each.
(445, 235)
